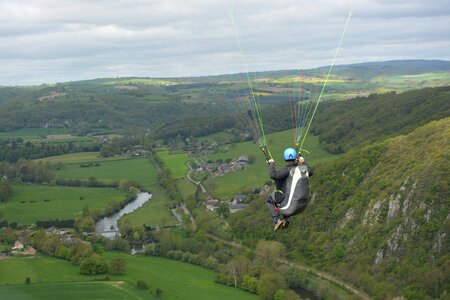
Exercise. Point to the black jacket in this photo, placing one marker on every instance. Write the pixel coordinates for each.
(280, 176)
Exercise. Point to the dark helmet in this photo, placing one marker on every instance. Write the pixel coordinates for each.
(290, 154)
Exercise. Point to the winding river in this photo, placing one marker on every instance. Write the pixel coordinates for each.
(108, 227)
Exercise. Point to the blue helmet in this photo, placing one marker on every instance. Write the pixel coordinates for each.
(290, 154)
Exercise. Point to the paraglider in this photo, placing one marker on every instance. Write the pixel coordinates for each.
(292, 188)
(292, 182)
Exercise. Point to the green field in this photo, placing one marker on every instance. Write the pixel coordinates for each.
(80, 157)
(256, 174)
(186, 188)
(177, 280)
(33, 133)
(142, 81)
(154, 212)
(216, 137)
(137, 169)
(55, 202)
(176, 163)
(416, 81)
(73, 290)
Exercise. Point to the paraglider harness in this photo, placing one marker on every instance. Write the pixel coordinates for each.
(295, 199)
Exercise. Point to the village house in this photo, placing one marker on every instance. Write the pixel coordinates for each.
(237, 207)
(52, 230)
(18, 246)
(243, 160)
(237, 199)
(30, 251)
(212, 204)
(66, 240)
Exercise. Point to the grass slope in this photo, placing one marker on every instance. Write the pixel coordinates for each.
(154, 212)
(140, 170)
(176, 163)
(63, 202)
(73, 290)
(176, 279)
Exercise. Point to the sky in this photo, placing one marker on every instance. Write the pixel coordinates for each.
(49, 41)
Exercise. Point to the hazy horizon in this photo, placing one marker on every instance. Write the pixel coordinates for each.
(59, 41)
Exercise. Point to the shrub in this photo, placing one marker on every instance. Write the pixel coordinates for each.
(117, 266)
(142, 285)
(158, 292)
(95, 264)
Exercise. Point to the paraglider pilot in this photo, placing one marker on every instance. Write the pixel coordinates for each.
(292, 188)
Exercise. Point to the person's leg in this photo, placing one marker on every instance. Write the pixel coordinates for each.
(272, 209)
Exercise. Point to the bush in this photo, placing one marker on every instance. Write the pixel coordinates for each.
(28, 280)
(117, 266)
(250, 284)
(142, 285)
(95, 264)
(158, 292)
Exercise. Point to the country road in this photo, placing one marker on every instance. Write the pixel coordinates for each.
(197, 183)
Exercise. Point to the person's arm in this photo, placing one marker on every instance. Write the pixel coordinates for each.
(310, 170)
(303, 162)
(277, 175)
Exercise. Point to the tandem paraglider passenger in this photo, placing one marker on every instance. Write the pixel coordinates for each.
(292, 188)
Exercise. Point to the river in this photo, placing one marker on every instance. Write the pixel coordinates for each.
(108, 227)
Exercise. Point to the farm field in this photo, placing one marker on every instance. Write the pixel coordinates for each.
(135, 169)
(152, 213)
(176, 279)
(176, 163)
(256, 174)
(30, 203)
(33, 133)
(216, 137)
(73, 290)
(81, 157)
(419, 80)
(186, 188)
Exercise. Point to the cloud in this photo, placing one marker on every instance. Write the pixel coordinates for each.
(59, 40)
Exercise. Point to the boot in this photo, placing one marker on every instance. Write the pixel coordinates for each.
(278, 225)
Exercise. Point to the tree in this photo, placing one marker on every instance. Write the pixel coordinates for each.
(269, 284)
(95, 264)
(223, 210)
(250, 284)
(80, 251)
(269, 252)
(279, 295)
(117, 266)
(27, 280)
(85, 224)
(5, 190)
(62, 252)
(292, 295)
(237, 268)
